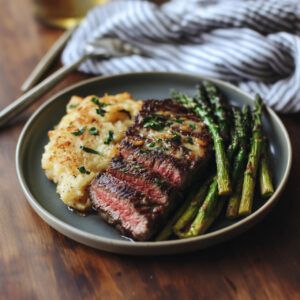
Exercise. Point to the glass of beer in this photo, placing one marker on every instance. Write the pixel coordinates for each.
(63, 13)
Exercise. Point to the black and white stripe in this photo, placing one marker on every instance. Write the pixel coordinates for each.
(253, 43)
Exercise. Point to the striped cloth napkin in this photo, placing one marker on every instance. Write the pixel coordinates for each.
(253, 43)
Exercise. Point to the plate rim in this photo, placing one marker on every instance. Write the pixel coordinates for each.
(96, 241)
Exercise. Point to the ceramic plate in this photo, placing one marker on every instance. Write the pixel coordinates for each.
(91, 230)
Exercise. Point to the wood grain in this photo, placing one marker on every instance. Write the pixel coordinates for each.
(39, 263)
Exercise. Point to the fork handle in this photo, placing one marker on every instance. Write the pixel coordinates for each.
(33, 94)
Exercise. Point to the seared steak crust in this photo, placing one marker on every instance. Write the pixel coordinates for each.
(161, 154)
(142, 179)
(173, 160)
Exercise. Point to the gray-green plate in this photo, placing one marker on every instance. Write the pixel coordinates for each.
(91, 230)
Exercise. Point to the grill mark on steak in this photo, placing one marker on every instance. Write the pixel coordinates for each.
(142, 179)
(134, 214)
(169, 167)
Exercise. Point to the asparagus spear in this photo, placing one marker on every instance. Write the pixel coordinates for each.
(253, 161)
(224, 185)
(233, 147)
(191, 211)
(205, 214)
(242, 124)
(219, 109)
(266, 186)
(247, 120)
(168, 229)
(234, 200)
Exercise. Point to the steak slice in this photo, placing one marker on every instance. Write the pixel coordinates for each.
(130, 211)
(142, 179)
(169, 139)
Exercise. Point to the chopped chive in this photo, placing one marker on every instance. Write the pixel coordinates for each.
(94, 131)
(178, 120)
(190, 140)
(142, 151)
(156, 125)
(73, 106)
(97, 102)
(175, 138)
(192, 126)
(159, 181)
(125, 112)
(109, 138)
(155, 122)
(162, 148)
(138, 167)
(79, 132)
(125, 170)
(89, 150)
(83, 170)
(151, 144)
(100, 111)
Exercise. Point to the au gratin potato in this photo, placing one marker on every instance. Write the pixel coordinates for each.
(84, 141)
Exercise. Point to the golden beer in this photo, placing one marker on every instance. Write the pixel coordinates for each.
(63, 13)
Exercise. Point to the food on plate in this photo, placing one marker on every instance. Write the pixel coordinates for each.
(147, 166)
(164, 151)
(84, 141)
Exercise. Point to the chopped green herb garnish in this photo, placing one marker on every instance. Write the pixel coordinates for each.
(125, 170)
(156, 125)
(190, 140)
(125, 112)
(142, 151)
(79, 132)
(175, 138)
(159, 181)
(155, 121)
(73, 106)
(138, 167)
(89, 150)
(160, 116)
(151, 144)
(109, 138)
(177, 121)
(100, 111)
(97, 102)
(93, 131)
(162, 148)
(192, 126)
(83, 170)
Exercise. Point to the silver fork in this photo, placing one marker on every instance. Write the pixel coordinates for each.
(104, 48)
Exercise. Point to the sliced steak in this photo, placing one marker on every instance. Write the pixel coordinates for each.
(130, 211)
(142, 179)
(164, 150)
(169, 139)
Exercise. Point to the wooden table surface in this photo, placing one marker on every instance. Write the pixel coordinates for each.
(36, 262)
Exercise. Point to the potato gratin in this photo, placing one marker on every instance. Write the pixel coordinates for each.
(84, 141)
